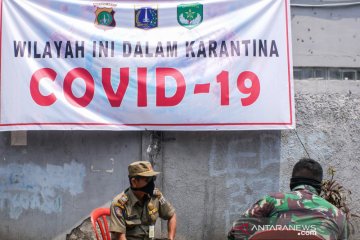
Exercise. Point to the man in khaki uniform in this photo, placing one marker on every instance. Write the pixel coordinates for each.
(134, 212)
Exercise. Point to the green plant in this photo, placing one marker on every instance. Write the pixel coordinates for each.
(337, 195)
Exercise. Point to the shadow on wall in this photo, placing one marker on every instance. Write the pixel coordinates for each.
(83, 232)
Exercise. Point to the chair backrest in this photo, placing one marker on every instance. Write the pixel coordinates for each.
(98, 218)
(284, 235)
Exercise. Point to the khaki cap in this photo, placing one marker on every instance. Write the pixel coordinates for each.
(142, 169)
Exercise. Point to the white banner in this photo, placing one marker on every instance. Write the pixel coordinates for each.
(146, 65)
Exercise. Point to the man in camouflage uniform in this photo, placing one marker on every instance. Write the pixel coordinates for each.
(301, 209)
(134, 212)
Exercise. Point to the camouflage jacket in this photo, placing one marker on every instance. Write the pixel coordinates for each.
(302, 209)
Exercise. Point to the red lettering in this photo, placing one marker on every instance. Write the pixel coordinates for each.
(142, 91)
(161, 99)
(253, 90)
(115, 99)
(35, 84)
(89, 83)
(115, 95)
(223, 79)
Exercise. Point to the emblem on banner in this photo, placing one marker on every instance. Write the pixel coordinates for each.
(146, 17)
(190, 15)
(105, 18)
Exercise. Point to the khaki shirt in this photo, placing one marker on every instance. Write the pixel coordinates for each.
(132, 217)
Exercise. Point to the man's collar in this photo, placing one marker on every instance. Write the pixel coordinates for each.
(132, 198)
(305, 187)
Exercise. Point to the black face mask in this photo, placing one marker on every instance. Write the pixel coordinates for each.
(148, 188)
(296, 181)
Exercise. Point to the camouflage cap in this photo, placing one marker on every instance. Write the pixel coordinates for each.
(142, 169)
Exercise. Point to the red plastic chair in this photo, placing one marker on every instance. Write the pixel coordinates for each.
(283, 235)
(98, 218)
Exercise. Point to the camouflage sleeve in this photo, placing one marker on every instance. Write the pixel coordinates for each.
(261, 209)
(257, 214)
(166, 210)
(117, 220)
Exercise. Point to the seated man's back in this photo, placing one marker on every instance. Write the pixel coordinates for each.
(302, 209)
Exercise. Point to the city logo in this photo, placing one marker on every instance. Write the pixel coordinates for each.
(190, 15)
(146, 17)
(105, 18)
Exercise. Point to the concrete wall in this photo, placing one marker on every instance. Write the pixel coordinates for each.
(50, 186)
(327, 112)
(212, 177)
(328, 130)
(326, 36)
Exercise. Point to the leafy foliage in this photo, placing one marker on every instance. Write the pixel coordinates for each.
(337, 195)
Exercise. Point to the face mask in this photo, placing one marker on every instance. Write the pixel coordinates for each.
(296, 181)
(148, 188)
